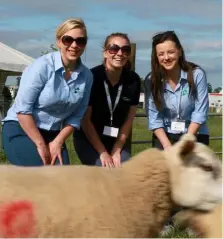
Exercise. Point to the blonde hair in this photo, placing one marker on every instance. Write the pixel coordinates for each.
(69, 25)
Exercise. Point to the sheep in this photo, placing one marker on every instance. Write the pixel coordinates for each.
(133, 201)
(204, 224)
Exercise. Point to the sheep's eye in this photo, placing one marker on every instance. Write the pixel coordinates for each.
(207, 168)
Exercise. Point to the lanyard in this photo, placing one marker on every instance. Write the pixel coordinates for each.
(109, 99)
(178, 106)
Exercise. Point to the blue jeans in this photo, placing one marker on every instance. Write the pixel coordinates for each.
(88, 155)
(20, 150)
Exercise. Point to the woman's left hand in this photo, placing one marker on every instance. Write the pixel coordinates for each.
(55, 148)
(116, 156)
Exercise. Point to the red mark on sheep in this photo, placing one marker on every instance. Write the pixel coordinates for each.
(17, 219)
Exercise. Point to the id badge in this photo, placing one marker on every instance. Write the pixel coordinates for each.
(178, 126)
(110, 131)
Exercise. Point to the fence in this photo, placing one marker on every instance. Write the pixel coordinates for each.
(133, 142)
(150, 141)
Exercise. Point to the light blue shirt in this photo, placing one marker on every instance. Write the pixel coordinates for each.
(53, 101)
(190, 110)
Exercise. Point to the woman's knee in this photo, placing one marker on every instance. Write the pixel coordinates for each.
(19, 148)
(125, 154)
(85, 151)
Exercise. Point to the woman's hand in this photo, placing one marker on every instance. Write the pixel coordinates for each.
(167, 146)
(55, 148)
(116, 156)
(106, 160)
(44, 153)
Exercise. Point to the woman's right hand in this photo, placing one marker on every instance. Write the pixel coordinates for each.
(44, 153)
(106, 160)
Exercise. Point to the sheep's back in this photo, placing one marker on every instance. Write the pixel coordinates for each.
(62, 197)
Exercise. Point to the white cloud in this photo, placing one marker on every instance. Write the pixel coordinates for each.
(196, 22)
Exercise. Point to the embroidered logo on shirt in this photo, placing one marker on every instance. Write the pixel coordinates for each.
(125, 98)
(76, 90)
(184, 92)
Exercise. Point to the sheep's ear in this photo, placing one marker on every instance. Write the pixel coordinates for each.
(187, 148)
(187, 145)
(188, 137)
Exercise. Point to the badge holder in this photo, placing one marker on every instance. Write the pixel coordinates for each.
(178, 125)
(111, 131)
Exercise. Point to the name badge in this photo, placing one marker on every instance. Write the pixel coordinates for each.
(110, 131)
(178, 126)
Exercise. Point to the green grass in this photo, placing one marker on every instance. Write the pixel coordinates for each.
(140, 132)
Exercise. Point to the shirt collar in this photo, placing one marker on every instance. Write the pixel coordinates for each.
(58, 64)
(183, 77)
(57, 60)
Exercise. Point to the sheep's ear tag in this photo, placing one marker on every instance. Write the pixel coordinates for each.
(186, 148)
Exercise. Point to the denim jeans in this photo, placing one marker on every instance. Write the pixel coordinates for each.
(20, 150)
(88, 155)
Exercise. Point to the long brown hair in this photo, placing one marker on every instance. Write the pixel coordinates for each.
(158, 73)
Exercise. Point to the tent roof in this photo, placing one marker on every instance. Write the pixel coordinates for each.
(13, 60)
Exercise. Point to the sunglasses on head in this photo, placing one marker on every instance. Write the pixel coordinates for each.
(114, 49)
(160, 35)
(80, 41)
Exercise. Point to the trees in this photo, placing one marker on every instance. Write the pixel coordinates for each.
(210, 89)
(52, 48)
(217, 90)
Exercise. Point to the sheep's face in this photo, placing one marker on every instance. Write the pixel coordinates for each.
(195, 174)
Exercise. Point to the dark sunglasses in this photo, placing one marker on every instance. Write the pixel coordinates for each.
(80, 41)
(114, 49)
(160, 35)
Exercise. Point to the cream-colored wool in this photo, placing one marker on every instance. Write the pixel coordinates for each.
(132, 201)
(205, 224)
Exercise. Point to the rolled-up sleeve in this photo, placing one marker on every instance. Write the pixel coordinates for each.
(32, 82)
(155, 118)
(200, 113)
(75, 118)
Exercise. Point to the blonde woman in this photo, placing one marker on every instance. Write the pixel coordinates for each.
(52, 98)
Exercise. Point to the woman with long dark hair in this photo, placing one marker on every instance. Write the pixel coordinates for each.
(176, 93)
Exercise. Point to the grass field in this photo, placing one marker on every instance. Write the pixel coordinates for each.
(140, 132)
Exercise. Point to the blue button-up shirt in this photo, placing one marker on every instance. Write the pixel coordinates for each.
(190, 110)
(53, 101)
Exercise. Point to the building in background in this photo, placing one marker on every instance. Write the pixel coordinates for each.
(215, 102)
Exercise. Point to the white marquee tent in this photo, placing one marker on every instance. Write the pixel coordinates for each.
(13, 60)
(12, 63)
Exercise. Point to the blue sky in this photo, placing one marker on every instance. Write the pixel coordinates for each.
(29, 26)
